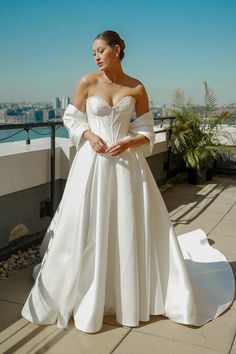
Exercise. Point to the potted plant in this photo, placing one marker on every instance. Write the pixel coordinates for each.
(195, 135)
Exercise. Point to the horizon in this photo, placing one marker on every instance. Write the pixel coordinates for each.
(48, 48)
(150, 101)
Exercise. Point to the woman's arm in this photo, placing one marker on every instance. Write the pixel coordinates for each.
(81, 93)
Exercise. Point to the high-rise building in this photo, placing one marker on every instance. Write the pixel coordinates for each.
(56, 102)
(61, 102)
(64, 102)
(3, 114)
(48, 114)
(38, 115)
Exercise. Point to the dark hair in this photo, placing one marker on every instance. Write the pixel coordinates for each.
(112, 38)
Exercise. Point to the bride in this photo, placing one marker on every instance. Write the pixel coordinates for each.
(110, 247)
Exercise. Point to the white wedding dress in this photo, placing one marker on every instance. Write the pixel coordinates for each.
(111, 248)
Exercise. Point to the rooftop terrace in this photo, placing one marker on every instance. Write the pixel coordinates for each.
(212, 207)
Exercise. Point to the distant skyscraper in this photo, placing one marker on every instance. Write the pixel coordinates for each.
(56, 102)
(64, 102)
(38, 115)
(3, 113)
(61, 102)
(47, 115)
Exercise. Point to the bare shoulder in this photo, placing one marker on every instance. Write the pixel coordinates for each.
(132, 81)
(141, 90)
(87, 80)
(82, 89)
(137, 86)
(140, 94)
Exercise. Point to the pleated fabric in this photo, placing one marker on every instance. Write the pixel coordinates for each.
(111, 248)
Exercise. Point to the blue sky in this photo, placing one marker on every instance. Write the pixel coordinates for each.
(46, 46)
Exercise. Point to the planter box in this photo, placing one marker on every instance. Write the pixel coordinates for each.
(196, 176)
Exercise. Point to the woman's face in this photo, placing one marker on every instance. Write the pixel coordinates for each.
(104, 55)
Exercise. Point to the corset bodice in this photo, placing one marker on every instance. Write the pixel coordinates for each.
(111, 123)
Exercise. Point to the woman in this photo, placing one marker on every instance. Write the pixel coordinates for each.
(111, 247)
(111, 85)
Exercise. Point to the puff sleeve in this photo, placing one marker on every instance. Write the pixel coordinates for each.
(76, 122)
(144, 125)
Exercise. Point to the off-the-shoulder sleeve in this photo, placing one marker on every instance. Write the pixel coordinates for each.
(76, 122)
(144, 125)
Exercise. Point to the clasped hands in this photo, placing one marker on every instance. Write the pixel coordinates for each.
(100, 146)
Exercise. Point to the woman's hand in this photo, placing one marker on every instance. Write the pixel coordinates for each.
(97, 143)
(118, 147)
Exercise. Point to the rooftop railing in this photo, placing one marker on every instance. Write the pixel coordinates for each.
(48, 206)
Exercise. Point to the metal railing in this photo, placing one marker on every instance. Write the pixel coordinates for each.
(48, 206)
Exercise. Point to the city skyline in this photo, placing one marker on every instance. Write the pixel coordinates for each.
(169, 45)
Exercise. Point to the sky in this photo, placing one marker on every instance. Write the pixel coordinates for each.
(46, 46)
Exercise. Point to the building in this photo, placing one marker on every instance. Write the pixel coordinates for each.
(48, 114)
(3, 114)
(64, 102)
(61, 102)
(56, 102)
(38, 116)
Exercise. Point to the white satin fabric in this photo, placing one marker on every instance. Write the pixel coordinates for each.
(111, 248)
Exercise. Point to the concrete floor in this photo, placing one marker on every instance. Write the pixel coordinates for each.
(212, 207)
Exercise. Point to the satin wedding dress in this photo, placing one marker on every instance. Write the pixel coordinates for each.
(111, 248)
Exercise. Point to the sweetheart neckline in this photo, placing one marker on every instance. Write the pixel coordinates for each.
(107, 103)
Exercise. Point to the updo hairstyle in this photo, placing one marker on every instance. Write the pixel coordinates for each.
(112, 38)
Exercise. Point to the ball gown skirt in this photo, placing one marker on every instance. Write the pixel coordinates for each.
(111, 248)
